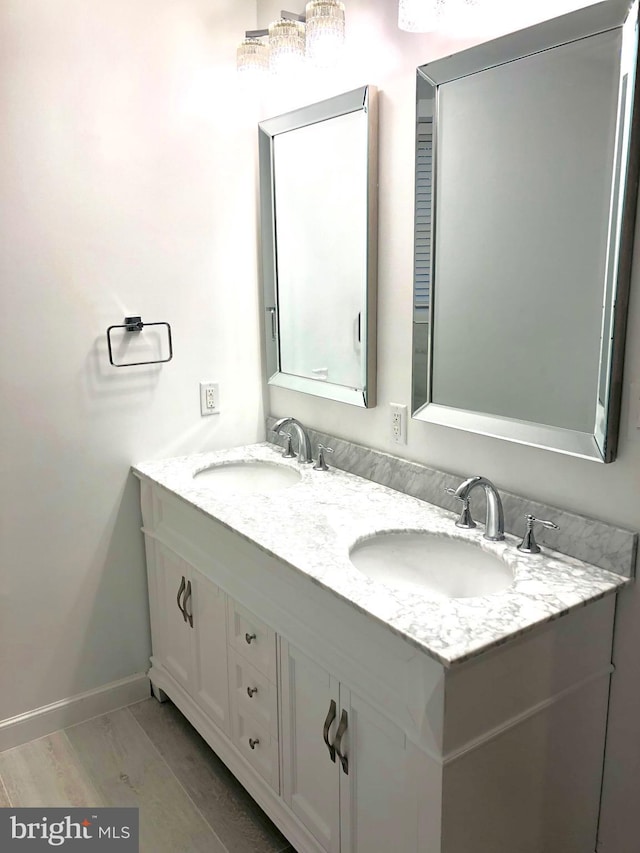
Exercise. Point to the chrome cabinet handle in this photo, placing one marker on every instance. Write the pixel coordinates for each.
(183, 586)
(344, 722)
(187, 597)
(251, 691)
(249, 638)
(253, 742)
(331, 715)
(272, 311)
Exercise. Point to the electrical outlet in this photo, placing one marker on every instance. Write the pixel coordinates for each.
(209, 398)
(398, 423)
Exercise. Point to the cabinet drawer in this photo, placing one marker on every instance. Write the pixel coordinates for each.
(263, 755)
(252, 639)
(252, 693)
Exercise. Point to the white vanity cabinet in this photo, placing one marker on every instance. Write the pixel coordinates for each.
(254, 693)
(352, 790)
(311, 781)
(502, 752)
(189, 631)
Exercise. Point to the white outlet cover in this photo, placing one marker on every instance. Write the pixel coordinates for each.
(398, 423)
(209, 398)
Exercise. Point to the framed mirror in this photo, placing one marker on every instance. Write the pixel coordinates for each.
(318, 204)
(526, 185)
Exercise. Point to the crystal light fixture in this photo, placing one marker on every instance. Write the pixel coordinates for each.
(252, 58)
(318, 35)
(286, 46)
(420, 16)
(325, 31)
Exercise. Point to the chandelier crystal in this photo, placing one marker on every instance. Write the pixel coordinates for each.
(325, 25)
(252, 57)
(286, 46)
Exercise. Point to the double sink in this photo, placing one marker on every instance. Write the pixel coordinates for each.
(406, 563)
(440, 566)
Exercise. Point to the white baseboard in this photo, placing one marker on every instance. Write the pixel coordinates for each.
(76, 709)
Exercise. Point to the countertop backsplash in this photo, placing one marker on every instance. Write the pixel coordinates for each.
(596, 542)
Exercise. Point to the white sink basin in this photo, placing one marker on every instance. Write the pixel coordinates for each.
(247, 477)
(430, 563)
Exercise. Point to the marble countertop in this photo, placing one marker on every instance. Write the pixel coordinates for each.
(313, 524)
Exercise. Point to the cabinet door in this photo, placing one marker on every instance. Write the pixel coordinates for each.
(378, 802)
(174, 640)
(311, 786)
(210, 683)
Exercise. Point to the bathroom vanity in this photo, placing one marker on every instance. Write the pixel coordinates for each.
(366, 714)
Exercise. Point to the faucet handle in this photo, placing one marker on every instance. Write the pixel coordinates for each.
(288, 451)
(465, 519)
(529, 544)
(321, 465)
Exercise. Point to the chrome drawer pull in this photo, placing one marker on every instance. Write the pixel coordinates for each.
(327, 725)
(344, 722)
(187, 598)
(183, 586)
(249, 638)
(253, 742)
(251, 691)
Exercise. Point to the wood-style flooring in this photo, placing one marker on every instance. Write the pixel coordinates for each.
(147, 756)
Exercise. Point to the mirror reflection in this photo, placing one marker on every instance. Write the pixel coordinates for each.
(521, 252)
(317, 169)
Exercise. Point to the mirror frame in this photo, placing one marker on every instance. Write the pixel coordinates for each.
(601, 444)
(363, 99)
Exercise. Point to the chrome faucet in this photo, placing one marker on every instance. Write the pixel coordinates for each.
(494, 522)
(304, 445)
